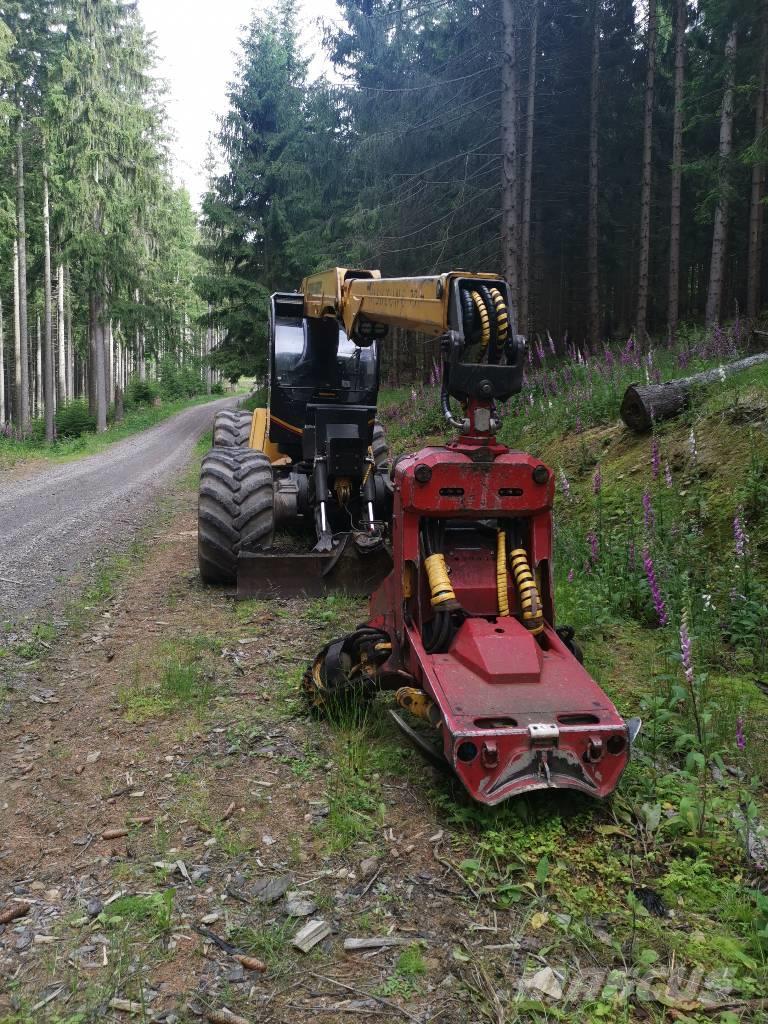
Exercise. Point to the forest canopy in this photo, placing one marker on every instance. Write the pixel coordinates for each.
(607, 156)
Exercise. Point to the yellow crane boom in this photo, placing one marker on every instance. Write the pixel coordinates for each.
(361, 297)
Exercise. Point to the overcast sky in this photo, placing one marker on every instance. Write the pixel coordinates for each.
(195, 43)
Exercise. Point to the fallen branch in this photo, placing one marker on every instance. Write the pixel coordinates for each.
(646, 404)
(367, 995)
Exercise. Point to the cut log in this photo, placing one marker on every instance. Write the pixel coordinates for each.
(646, 404)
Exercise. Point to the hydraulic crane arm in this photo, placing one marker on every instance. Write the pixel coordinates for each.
(367, 304)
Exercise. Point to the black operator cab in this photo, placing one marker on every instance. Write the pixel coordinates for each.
(315, 366)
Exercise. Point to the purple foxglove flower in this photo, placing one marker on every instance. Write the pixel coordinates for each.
(658, 600)
(564, 484)
(741, 739)
(570, 576)
(667, 475)
(594, 545)
(655, 459)
(685, 651)
(739, 537)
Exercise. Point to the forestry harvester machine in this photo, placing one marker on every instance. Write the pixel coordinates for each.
(454, 542)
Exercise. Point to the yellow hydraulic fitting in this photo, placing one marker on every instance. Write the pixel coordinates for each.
(343, 488)
(530, 602)
(440, 585)
(418, 703)
(501, 573)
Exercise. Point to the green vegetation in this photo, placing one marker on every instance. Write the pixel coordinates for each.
(179, 676)
(75, 446)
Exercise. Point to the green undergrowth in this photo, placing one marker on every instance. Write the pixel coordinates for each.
(178, 675)
(13, 451)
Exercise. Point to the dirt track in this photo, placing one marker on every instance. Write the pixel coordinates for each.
(59, 518)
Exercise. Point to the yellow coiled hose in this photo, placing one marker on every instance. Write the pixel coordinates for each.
(501, 573)
(439, 584)
(485, 319)
(502, 315)
(530, 603)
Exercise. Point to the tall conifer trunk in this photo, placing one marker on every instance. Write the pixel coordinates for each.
(61, 341)
(48, 369)
(525, 241)
(510, 228)
(2, 368)
(17, 375)
(720, 230)
(673, 302)
(70, 343)
(21, 235)
(756, 205)
(645, 188)
(98, 362)
(593, 268)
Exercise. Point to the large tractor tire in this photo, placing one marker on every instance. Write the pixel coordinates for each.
(379, 446)
(236, 510)
(232, 428)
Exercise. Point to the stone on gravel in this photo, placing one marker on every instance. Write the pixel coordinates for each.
(546, 982)
(297, 904)
(269, 889)
(368, 867)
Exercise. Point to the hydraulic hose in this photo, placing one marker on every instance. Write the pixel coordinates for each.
(485, 319)
(501, 573)
(502, 315)
(530, 602)
(439, 584)
(438, 632)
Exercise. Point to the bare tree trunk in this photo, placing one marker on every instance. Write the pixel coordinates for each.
(525, 241)
(2, 368)
(673, 300)
(16, 338)
(39, 370)
(510, 228)
(61, 341)
(70, 342)
(48, 374)
(110, 367)
(98, 368)
(21, 234)
(645, 189)
(720, 230)
(593, 268)
(756, 205)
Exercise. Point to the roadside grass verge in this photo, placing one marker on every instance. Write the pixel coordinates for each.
(14, 451)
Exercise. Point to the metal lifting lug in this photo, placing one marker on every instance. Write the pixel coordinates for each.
(544, 734)
(595, 750)
(490, 755)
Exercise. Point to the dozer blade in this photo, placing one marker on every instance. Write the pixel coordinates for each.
(313, 574)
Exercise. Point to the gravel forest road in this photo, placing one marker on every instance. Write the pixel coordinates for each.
(60, 519)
